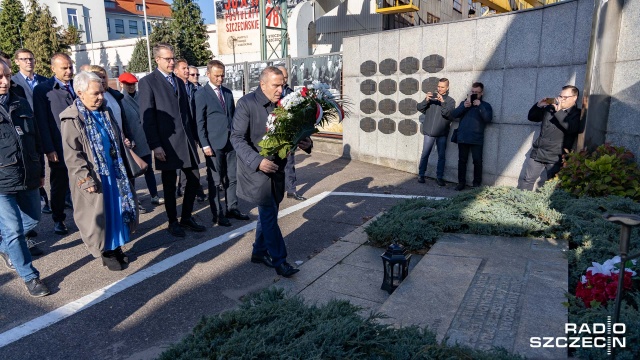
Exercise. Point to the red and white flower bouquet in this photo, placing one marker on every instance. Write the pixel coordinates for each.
(297, 116)
(600, 284)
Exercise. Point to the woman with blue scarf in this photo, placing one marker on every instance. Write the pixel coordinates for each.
(104, 204)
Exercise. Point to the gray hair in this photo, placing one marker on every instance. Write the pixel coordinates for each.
(82, 80)
(270, 70)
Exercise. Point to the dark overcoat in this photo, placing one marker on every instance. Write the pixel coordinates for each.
(214, 122)
(49, 100)
(166, 119)
(18, 79)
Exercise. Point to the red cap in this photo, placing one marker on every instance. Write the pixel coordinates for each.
(127, 78)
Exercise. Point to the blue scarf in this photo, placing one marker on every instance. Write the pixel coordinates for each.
(128, 207)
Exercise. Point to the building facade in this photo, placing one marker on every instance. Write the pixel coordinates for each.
(125, 18)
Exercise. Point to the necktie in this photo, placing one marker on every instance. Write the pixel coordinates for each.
(221, 99)
(66, 87)
(173, 84)
(31, 83)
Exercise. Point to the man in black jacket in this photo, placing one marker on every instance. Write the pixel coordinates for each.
(19, 183)
(560, 124)
(437, 109)
(49, 100)
(166, 119)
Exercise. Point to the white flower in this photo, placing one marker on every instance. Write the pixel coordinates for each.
(583, 279)
(600, 269)
(609, 267)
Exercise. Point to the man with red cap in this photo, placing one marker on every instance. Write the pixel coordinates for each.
(134, 126)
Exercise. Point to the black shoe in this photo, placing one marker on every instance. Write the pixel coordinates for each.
(192, 225)
(7, 262)
(421, 179)
(296, 196)
(121, 256)
(441, 182)
(31, 233)
(236, 214)
(37, 288)
(110, 260)
(68, 204)
(201, 198)
(459, 187)
(286, 270)
(223, 221)
(176, 230)
(60, 228)
(142, 209)
(178, 193)
(46, 209)
(33, 247)
(262, 259)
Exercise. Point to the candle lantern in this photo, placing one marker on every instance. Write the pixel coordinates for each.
(395, 262)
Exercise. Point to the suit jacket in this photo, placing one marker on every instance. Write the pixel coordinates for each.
(166, 119)
(49, 100)
(214, 122)
(19, 80)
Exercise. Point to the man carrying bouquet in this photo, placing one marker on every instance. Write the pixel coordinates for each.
(261, 179)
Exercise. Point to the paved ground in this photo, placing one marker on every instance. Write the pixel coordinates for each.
(138, 321)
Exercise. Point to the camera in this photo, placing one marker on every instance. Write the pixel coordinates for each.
(473, 98)
(550, 101)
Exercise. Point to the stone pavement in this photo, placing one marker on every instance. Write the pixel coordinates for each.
(480, 291)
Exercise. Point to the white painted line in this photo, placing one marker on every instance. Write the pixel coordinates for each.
(339, 193)
(108, 291)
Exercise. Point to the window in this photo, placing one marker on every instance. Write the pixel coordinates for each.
(133, 27)
(119, 26)
(432, 19)
(139, 7)
(109, 4)
(72, 17)
(149, 27)
(108, 26)
(457, 6)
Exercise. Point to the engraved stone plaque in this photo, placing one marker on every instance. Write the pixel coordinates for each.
(433, 63)
(408, 127)
(368, 106)
(367, 124)
(388, 86)
(368, 68)
(409, 86)
(388, 67)
(387, 126)
(430, 84)
(368, 87)
(408, 106)
(387, 106)
(409, 65)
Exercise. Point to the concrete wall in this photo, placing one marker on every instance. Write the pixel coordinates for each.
(624, 116)
(520, 57)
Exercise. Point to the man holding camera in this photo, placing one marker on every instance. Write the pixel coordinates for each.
(560, 124)
(436, 122)
(474, 114)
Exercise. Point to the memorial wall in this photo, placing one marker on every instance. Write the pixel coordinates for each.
(520, 57)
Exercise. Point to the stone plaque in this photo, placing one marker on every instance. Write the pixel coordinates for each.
(388, 67)
(408, 127)
(387, 126)
(368, 87)
(367, 124)
(368, 68)
(430, 84)
(409, 65)
(408, 106)
(433, 63)
(387, 106)
(489, 314)
(368, 106)
(388, 87)
(409, 86)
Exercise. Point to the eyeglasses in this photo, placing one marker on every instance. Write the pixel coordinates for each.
(26, 59)
(168, 59)
(565, 97)
(194, 74)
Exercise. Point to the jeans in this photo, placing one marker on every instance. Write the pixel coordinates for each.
(463, 156)
(169, 184)
(441, 143)
(149, 177)
(268, 235)
(533, 169)
(19, 213)
(290, 173)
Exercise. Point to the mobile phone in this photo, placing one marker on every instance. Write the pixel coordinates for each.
(550, 101)
(473, 97)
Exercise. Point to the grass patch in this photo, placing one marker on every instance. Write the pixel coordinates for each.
(270, 325)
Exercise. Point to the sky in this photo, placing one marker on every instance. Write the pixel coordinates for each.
(207, 9)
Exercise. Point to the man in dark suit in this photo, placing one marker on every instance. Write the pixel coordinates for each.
(260, 179)
(50, 98)
(166, 119)
(214, 113)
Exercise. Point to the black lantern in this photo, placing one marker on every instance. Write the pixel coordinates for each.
(396, 266)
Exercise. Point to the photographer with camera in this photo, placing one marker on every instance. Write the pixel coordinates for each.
(474, 114)
(436, 121)
(560, 124)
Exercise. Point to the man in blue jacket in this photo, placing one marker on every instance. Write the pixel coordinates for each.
(474, 114)
(19, 183)
(436, 122)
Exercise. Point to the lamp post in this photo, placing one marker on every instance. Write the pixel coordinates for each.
(146, 32)
(395, 263)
